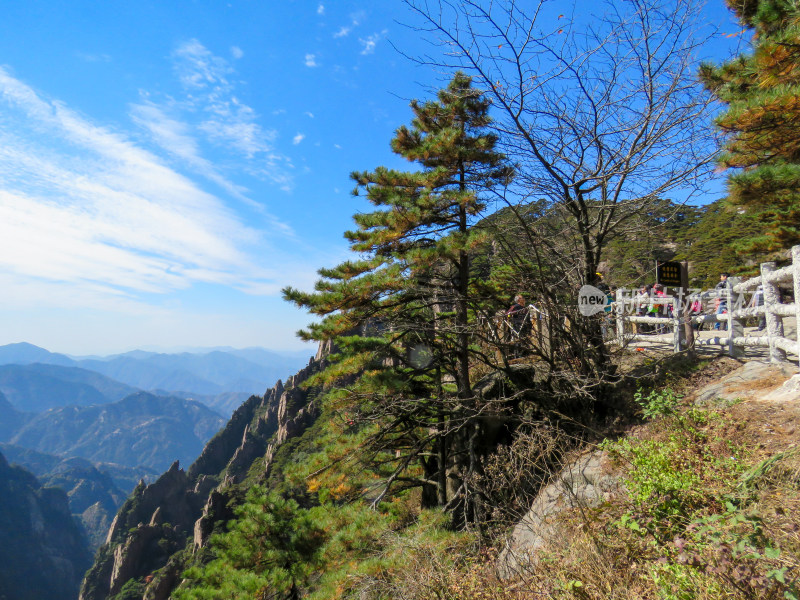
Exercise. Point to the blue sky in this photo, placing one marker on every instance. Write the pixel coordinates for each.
(166, 167)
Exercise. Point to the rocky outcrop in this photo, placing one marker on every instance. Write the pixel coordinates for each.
(219, 450)
(93, 491)
(748, 382)
(154, 523)
(43, 553)
(171, 495)
(586, 482)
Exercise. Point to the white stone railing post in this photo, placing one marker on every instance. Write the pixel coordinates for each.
(619, 309)
(677, 329)
(772, 298)
(735, 327)
(796, 278)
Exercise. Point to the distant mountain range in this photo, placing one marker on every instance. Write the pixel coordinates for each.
(45, 465)
(98, 453)
(94, 492)
(219, 378)
(38, 387)
(140, 429)
(250, 370)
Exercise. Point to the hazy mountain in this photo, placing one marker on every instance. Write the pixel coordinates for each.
(43, 553)
(94, 491)
(125, 477)
(212, 376)
(262, 356)
(42, 465)
(141, 429)
(38, 463)
(24, 353)
(37, 387)
(224, 403)
(210, 373)
(148, 374)
(10, 418)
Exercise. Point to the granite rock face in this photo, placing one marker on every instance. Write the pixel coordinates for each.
(586, 482)
(748, 382)
(154, 524)
(43, 553)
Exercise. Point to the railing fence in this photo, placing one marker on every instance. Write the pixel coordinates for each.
(679, 322)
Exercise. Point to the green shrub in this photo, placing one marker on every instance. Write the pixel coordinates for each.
(658, 403)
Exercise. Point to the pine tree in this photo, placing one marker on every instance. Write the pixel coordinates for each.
(270, 551)
(401, 315)
(762, 90)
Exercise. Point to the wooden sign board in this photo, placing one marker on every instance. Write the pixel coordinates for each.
(669, 274)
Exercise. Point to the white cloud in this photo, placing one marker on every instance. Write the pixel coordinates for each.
(229, 121)
(368, 44)
(321, 9)
(171, 134)
(198, 68)
(85, 210)
(209, 112)
(311, 60)
(237, 52)
(355, 20)
(310, 115)
(176, 137)
(298, 138)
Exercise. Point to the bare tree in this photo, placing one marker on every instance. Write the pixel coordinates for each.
(603, 115)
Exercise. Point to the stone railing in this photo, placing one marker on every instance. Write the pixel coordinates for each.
(680, 323)
(772, 308)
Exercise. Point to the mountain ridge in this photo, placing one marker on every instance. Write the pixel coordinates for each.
(208, 373)
(141, 429)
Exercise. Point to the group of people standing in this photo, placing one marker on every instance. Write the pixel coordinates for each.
(648, 304)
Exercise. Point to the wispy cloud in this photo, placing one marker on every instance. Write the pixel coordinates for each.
(176, 138)
(368, 44)
(298, 138)
(355, 20)
(84, 207)
(199, 69)
(311, 60)
(209, 111)
(321, 9)
(237, 52)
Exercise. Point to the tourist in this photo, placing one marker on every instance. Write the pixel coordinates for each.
(723, 290)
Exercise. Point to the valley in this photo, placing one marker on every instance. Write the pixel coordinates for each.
(87, 426)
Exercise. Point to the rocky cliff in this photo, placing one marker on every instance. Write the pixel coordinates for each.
(43, 553)
(163, 523)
